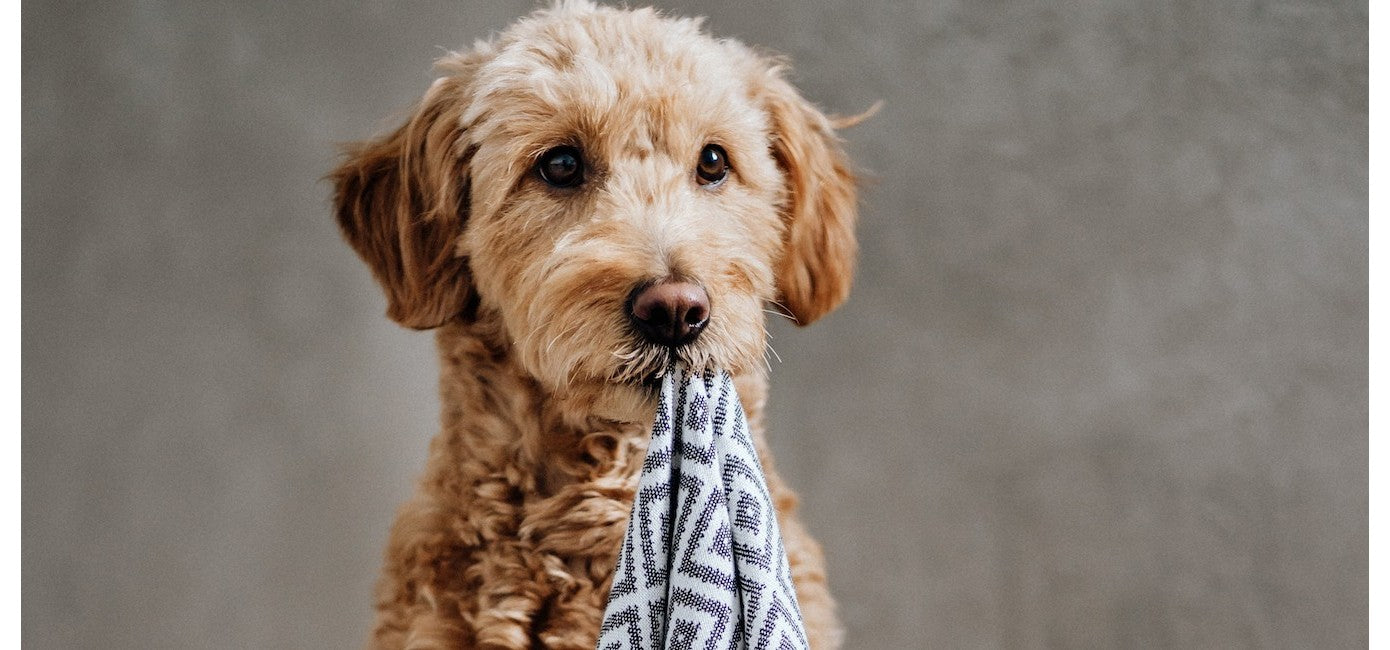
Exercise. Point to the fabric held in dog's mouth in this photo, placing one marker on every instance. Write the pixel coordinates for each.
(702, 563)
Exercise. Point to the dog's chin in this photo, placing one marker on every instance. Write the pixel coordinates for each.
(621, 402)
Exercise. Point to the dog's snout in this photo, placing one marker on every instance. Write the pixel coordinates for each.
(670, 313)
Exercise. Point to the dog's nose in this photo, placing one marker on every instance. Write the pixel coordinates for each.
(670, 313)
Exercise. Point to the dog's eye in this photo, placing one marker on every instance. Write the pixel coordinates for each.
(713, 166)
(561, 167)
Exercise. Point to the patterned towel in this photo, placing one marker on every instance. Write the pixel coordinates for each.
(702, 564)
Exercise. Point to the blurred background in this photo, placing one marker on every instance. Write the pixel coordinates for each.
(1102, 382)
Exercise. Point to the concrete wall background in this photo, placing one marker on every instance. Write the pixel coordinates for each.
(1102, 382)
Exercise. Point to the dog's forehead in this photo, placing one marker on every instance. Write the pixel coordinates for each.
(611, 72)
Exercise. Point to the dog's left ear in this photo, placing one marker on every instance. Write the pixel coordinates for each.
(819, 209)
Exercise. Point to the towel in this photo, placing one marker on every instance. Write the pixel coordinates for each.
(702, 563)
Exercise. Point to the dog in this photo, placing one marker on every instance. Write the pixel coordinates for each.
(594, 194)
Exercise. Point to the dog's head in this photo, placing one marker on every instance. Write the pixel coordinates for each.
(613, 188)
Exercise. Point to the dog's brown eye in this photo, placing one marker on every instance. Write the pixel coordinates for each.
(714, 165)
(561, 167)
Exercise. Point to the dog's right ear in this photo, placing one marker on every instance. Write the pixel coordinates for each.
(402, 202)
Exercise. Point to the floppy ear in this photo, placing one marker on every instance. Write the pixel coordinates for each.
(402, 201)
(817, 265)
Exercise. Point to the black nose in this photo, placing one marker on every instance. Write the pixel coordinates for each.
(670, 313)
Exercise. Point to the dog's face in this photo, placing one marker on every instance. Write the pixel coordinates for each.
(593, 170)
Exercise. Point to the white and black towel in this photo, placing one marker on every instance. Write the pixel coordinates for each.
(702, 564)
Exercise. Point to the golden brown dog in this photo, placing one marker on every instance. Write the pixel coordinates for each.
(572, 205)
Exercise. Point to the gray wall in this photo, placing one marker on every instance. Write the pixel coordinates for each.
(1102, 382)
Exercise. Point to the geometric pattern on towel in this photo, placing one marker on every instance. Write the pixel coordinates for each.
(702, 564)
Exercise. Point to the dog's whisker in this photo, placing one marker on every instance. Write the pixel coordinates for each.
(778, 313)
(567, 332)
(784, 311)
(774, 352)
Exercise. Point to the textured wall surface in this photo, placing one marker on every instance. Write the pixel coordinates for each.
(1102, 382)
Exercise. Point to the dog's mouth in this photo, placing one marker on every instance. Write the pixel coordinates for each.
(652, 383)
(644, 364)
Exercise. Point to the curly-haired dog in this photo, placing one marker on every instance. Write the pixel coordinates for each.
(571, 205)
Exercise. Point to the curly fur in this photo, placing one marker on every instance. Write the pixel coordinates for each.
(510, 539)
